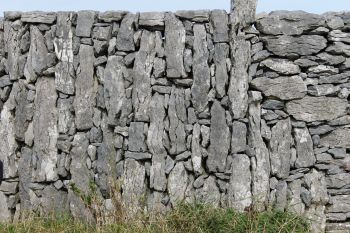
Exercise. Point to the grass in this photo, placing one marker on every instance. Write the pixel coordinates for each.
(185, 218)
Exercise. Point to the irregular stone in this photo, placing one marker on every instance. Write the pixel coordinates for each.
(339, 36)
(153, 20)
(37, 57)
(174, 46)
(111, 16)
(339, 48)
(117, 104)
(142, 92)
(45, 130)
(340, 204)
(322, 90)
(155, 143)
(344, 120)
(238, 86)
(85, 21)
(201, 72)
(102, 33)
(337, 138)
(199, 16)
(219, 139)
(338, 78)
(281, 196)
(54, 201)
(38, 17)
(177, 118)
(280, 148)
(12, 38)
(316, 183)
(243, 12)
(322, 69)
(284, 88)
(338, 180)
(64, 74)
(136, 137)
(288, 46)
(196, 150)
(304, 146)
(295, 203)
(65, 115)
(239, 137)
(5, 214)
(134, 187)
(239, 190)
(219, 22)
(289, 23)
(177, 183)
(221, 74)
(331, 59)
(260, 161)
(317, 216)
(125, 38)
(338, 153)
(86, 89)
(281, 66)
(273, 104)
(318, 108)
(137, 155)
(323, 129)
(24, 110)
(209, 193)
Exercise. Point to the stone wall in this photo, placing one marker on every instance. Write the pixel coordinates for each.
(187, 106)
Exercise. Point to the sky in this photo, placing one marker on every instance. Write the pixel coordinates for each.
(315, 6)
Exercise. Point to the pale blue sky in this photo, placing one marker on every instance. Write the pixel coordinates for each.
(316, 6)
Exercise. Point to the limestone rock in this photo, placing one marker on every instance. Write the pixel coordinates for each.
(142, 92)
(177, 118)
(289, 23)
(85, 21)
(318, 108)
(284, 88)
(45, 130)
(261, 161)
(136, 137)
(177, 183)
(155, 143)
(337, 138)
(219, 139)
(239, 137)
(85, 89)
(304, 146)
(219, 22)
(281, 66)
(125, 38)
(221, 74)
(295, 203)
(64, 74)
(288, 46)
(152, 20)
(133, 185)
(239, 188)
(201, 72)
(238, 86)
(111, 16)
(198, 16)
(280, 148)
(38, 17)
(197, 156)
(174, 46)
(340, 204)
(209, 193)
(117, 104)
(37, 57)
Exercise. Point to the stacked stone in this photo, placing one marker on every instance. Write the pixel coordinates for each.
(300, 65)
(145, 98)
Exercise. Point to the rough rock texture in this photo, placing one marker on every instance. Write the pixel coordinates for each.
(195, 106)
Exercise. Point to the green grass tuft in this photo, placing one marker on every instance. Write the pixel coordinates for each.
(184, 218)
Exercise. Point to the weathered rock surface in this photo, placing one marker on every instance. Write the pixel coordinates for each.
(304, 147)
(219, 138)
(288, 46)
(317, 108)
(284, 88)
(280, 148)
(85, 89)
(289, 23)
(337, 138)
(281, 66)
(201, 72)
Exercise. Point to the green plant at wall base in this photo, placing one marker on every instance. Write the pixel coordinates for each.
(187, 218)
(86, 197)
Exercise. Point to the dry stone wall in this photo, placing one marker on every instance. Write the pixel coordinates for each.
(187, 106)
